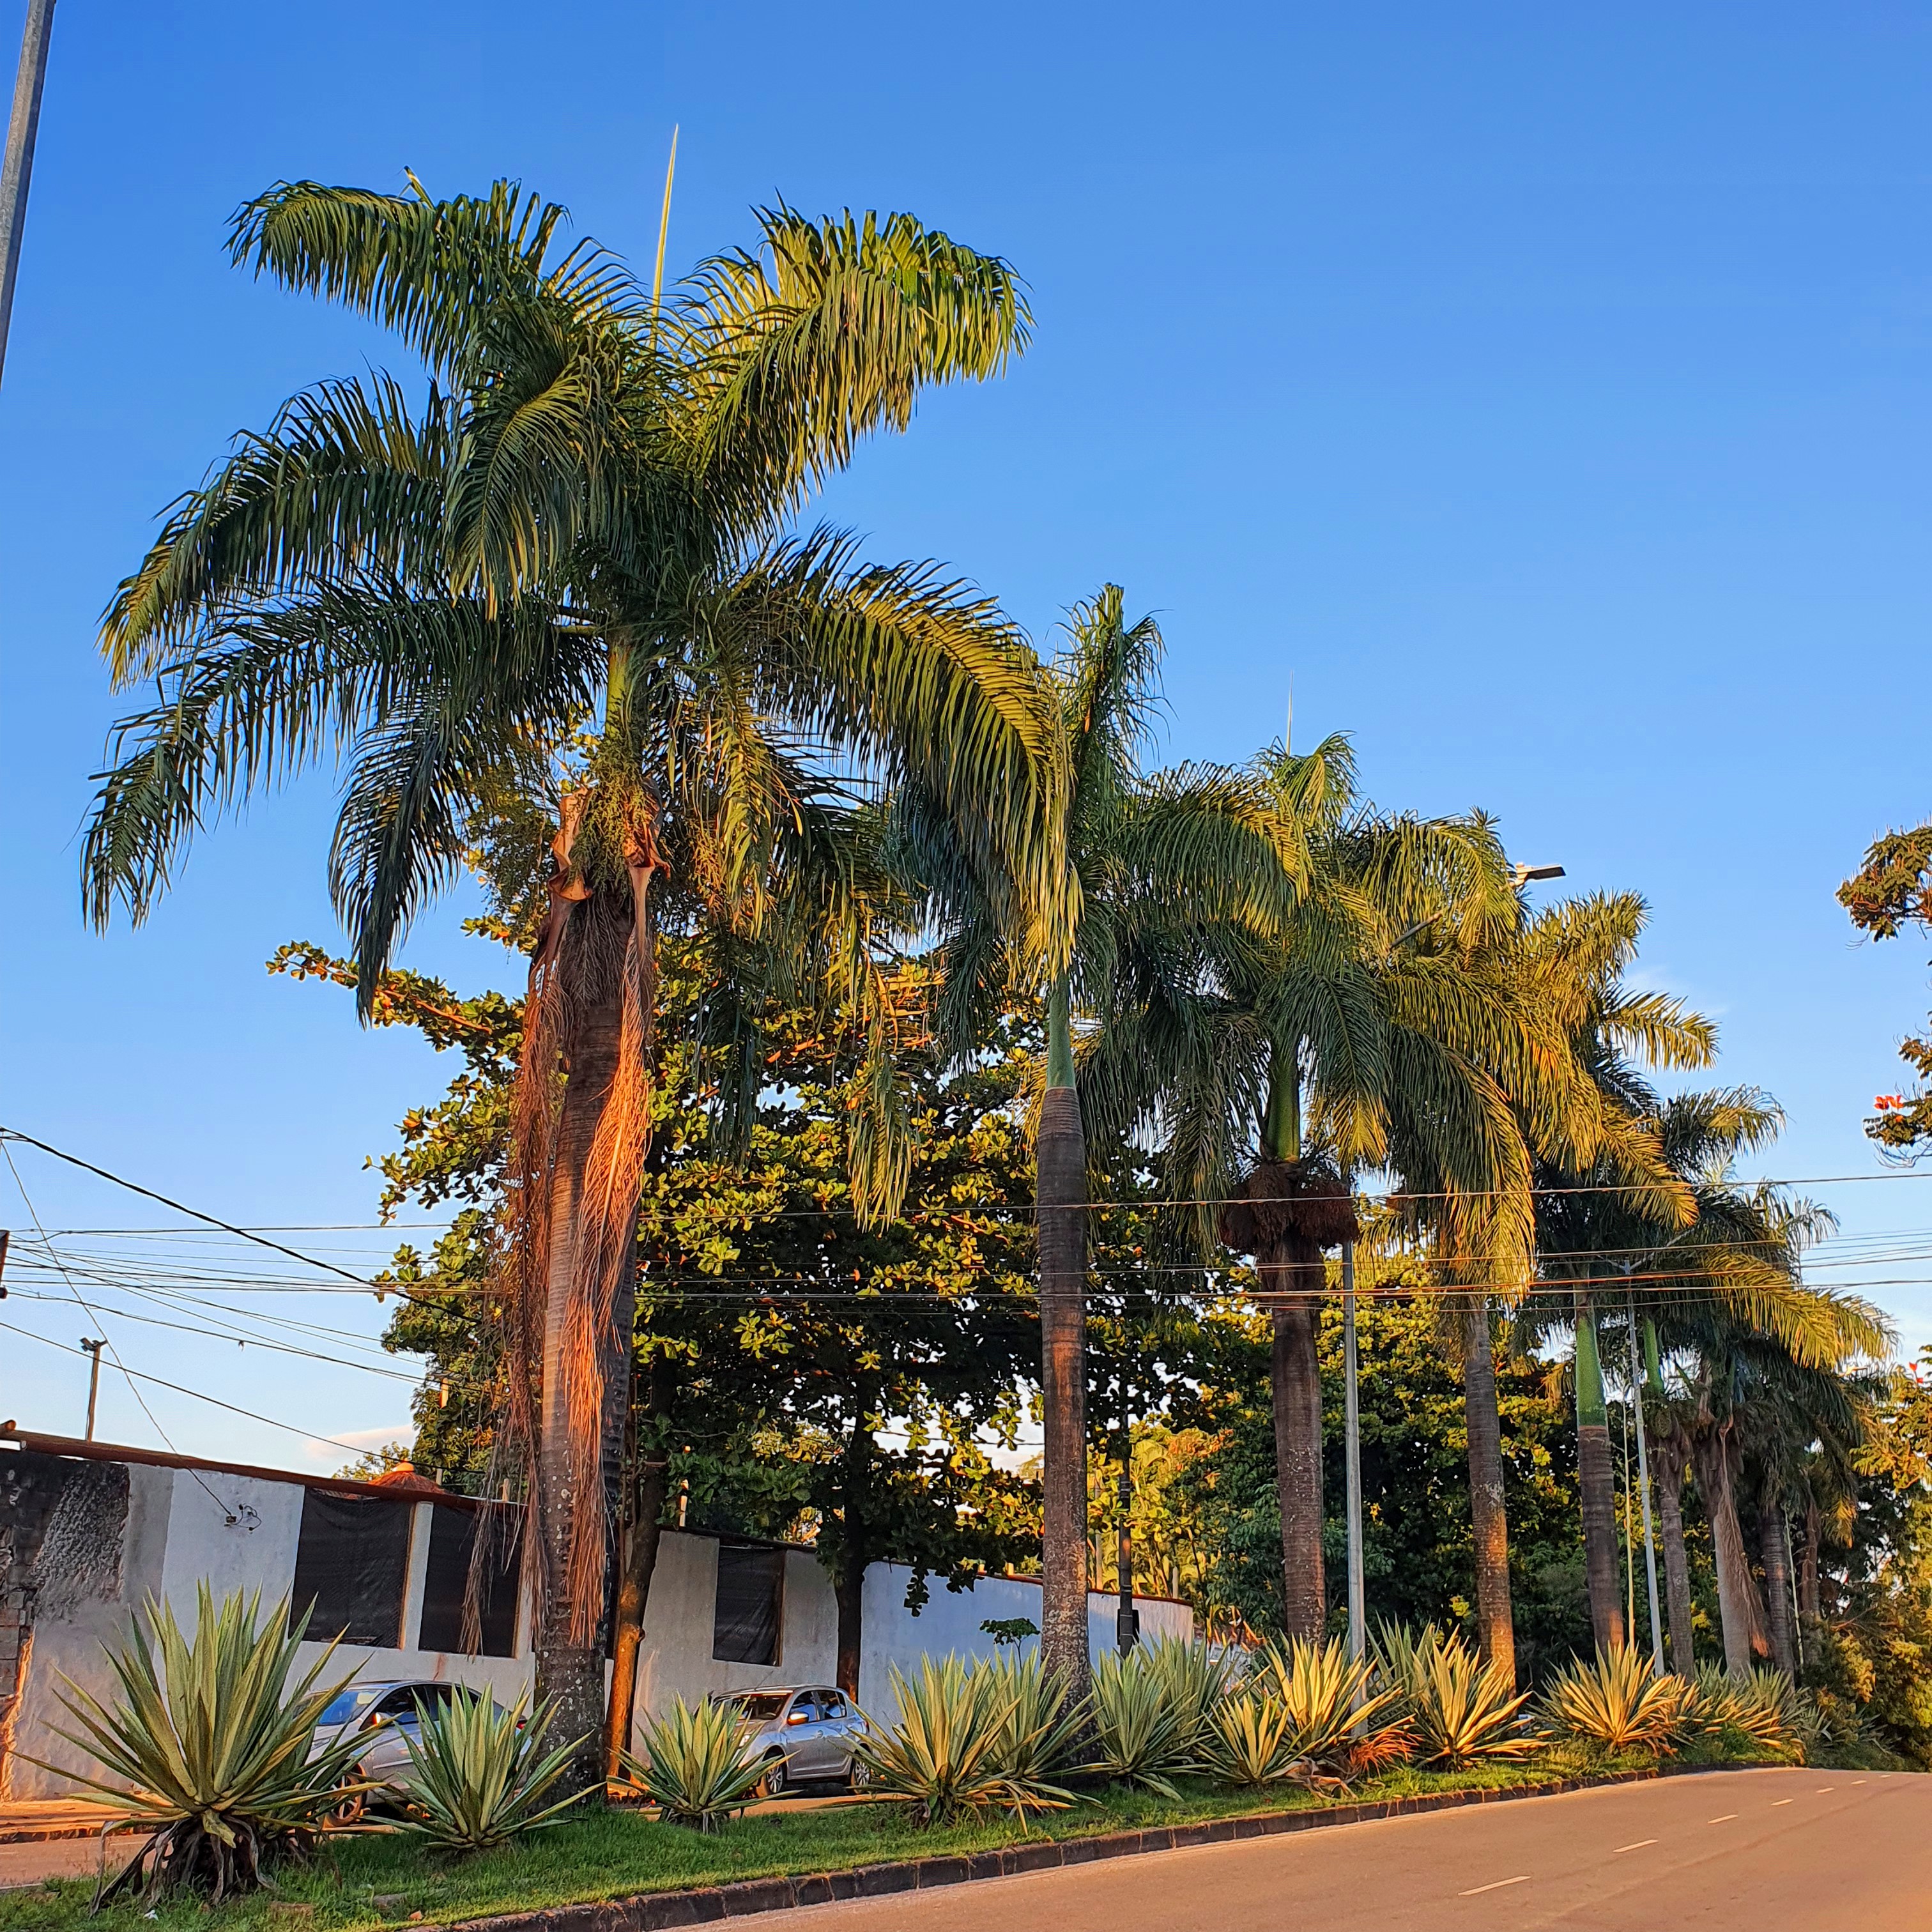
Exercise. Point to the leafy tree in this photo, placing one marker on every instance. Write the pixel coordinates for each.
(1893, 889)
(584, 524)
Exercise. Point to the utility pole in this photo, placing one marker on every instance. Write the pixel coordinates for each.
(18, 169)
(94, 1349)
(1358, 1634)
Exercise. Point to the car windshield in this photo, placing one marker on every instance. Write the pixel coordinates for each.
(350, 1705)
(762, 1706)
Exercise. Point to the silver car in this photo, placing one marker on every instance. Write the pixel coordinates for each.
(387, 1712)
(802, 1736)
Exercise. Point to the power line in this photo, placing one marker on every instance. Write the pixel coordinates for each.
(306, 1434)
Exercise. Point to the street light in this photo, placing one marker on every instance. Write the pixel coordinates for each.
(1521, 875)
(93, 1348)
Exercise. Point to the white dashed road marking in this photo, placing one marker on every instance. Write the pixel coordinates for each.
(1724, 1820)
(1522, 1878)
(1637, 1847)
(1777, 1802)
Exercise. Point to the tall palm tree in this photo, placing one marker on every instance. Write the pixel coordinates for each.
(1276, 1064)
(1725, 1286)
(581, 531)
(1146, 860)
(1593, 1185)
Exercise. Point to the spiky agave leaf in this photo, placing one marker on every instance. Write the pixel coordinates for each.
(210, 1747)
(478, 1773)
(1616, 1700)
(1333, 1706)
(1460, 1709)
(950, 1750)
(699, 1765)
(1147, 1731)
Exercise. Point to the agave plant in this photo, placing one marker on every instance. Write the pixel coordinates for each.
(1041, 1733)
(1618, 1700)
(1145, 1732)
(478, 1773)
(1763, 1706)
(1459, 1708)
(211, 1746)
(1194, 1680)
(1332, 1708)
(950, 1751)
(699, 1765)
(1250, 1741)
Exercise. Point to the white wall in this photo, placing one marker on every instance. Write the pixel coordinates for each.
(177, 1533)
(950, 1621)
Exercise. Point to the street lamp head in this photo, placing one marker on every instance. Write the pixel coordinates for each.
(1521, 875)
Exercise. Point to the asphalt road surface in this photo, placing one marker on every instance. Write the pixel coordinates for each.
(1746, 1851)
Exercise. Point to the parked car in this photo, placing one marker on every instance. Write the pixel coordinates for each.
(387, 1711)
(803, 1735)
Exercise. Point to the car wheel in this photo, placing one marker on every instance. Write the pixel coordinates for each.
(858, 1774)
(777, 1776)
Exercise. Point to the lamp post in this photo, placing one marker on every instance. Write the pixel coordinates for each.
(17, 171)
(94, 1349)
(1358, 1631)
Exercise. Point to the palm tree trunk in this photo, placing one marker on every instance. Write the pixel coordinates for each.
(1296, 1380)
(633, 1594)
(1777, 1584)
(1807, 1564)
(1737, 1606)
(1597, 1480)
(1668, 1456)
(1495, 1631)
(854, 1546)
(1061, 1193)
(569, 1662)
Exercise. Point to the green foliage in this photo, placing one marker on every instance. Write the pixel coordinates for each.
(1193, 1677)
(1009, 1629)
(1419, 1552)
(479, 1774)
(1461, 1711)
(1892, 890)
(960, 1745)
(698, 1765)
(210, 1740)
(1147, 1722)
(1617, 1700)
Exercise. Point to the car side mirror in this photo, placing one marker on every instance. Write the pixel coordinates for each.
(799, 1717)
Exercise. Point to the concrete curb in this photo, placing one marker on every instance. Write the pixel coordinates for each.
(651, 1912)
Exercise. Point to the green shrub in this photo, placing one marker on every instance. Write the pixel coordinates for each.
(479, 1774)
(950, 1750)
(1459, 1708)
(1618, 1701)
(212, 1747)
(1147, 1725)
(699, 1765)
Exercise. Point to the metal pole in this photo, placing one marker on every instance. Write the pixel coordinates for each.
(18, 169)
(1358, 1632)
(94, 1349)
(1643, 1490)
(1126, 1622)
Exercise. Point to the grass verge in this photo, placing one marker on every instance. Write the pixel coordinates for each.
(617, 1854)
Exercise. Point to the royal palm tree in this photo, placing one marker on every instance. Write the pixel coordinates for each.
(1276, 1063)
(1148, 860)
(580, 535)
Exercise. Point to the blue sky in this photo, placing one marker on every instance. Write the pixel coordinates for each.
(1547, 396)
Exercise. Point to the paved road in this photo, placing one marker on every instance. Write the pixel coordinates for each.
(1751, 1851)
